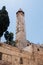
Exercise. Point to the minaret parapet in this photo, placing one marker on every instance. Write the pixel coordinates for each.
(20, 11)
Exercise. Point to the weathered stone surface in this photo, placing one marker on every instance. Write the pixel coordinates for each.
(20, 29)
(5, 63)
(12, 55)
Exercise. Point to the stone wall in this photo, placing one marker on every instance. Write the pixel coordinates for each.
(13, 56)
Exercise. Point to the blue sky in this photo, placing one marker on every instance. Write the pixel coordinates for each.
(33, 17)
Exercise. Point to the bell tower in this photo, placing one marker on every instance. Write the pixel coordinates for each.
(20, 26)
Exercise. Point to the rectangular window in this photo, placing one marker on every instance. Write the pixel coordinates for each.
(21, 60)
(0, 56)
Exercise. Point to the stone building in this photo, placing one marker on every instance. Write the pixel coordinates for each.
(25, 52)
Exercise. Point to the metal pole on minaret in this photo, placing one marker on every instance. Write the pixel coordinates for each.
(20, 26)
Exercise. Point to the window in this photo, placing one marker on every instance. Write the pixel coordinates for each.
(38, 49)
(27, 44)
(0, 44)
(0, 56)
(21, 60)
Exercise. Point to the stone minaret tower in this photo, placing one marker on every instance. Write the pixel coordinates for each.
(20, 28)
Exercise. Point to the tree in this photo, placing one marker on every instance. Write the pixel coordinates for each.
(9, 37)
(6, 35)
(4, 20)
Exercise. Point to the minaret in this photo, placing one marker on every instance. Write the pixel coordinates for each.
(20, 27)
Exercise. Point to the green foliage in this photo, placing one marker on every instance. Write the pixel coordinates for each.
(4, 20)
(9, 38)
(6, 35)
